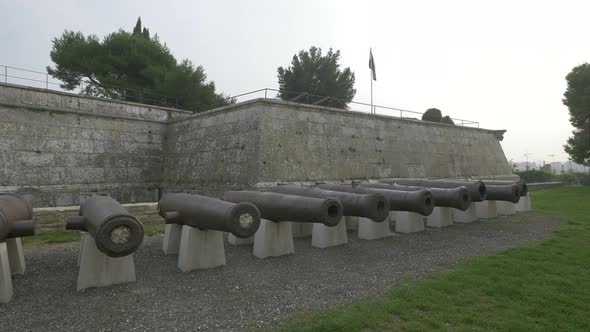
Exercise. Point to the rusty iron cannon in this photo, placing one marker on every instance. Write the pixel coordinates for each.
(458, 198)
(282, 207)
(477, 189)
(420, 201)
(508, 192)
(16, 217)
(241, 219)
(522, 185)
(115, 231)
(371, 206)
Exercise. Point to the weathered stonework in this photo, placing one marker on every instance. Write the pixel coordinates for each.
(58, 146)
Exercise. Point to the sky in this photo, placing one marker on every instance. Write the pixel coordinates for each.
(501, 63)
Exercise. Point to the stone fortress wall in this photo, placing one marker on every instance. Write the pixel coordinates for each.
(57, 146)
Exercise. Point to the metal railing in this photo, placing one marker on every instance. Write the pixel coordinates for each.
(269, 93)
(42, 80)
(37, 79)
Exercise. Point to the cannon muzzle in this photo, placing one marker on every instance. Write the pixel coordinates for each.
(420, 202)
(115, 231)
(282, 207)
(477, 189)
(371, 206)
(16, 217)
(522, 186)
(508, 193)
(241, 219)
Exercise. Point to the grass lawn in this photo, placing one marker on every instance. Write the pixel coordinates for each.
(542, 286)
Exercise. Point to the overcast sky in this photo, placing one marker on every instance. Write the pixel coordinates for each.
(502, 63)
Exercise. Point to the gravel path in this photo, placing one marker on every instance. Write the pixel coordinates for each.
(247, 292)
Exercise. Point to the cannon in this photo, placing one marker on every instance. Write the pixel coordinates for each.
(16, 217)
(508, 193)
(522, 186)
(477, 189)
(457, 198)
(205, 213)
(282, 207)
(420, 201)
(371, 206)
(115, 231)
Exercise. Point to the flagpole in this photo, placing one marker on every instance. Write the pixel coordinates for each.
(372, 109)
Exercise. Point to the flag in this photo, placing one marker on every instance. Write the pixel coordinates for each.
(372, 65)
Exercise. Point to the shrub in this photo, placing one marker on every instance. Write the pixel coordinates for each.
(432, 115)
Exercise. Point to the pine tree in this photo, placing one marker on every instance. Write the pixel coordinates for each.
(137, 29)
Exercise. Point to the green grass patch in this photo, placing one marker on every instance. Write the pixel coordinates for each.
(150, 229)
(153, 228)
(542, 286)
(53, 237)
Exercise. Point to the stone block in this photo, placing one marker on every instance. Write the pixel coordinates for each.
(440, 217)
(301, 229)
(99, 270)
(200, 249)
(524, 204)
(352, 223)
(171, 242)
(371, 230)
(324, 236)
(486, 209)
(6, 290)
(273, 239)
(408, 222)
(467, 216)
(505, 208)
(16, 256)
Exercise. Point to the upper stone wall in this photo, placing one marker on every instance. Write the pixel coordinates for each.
(310, 143)
(57, 146)
(214, 151)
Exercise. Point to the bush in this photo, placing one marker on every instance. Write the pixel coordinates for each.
(432, 115)
(535, 176)
(447, 119)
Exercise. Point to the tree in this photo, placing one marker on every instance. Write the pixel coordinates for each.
(133, 67)
(317, 75)
(577, 99)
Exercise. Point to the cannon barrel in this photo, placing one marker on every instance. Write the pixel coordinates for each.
(115, 231)
(522, 186)
(508, 193)
(477, 189)
(241, 219)
(16, 217)
(420, 201)
(457, 198)
(282, 207)
(372, 206)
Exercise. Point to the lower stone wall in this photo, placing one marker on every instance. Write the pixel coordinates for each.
(53, 219)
